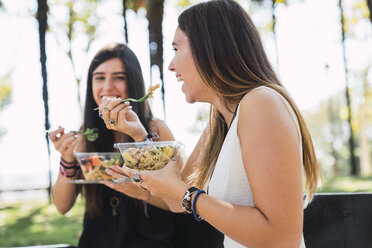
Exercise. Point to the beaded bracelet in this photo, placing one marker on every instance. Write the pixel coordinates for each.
(65, 173)
(68, 165)
(196, 216)
(65, 168)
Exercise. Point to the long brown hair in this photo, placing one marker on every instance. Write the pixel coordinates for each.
(231, 60)
(105, 142)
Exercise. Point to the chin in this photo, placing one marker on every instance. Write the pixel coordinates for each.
(190, 100)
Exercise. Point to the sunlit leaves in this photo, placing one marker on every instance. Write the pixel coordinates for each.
(5, 90)
(135, 5)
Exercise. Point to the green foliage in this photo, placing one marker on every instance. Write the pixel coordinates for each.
(355, 13)
(328, 128)
(184, 3)
(81, 20)
(347, 184)
(135, 5)
(5, 90)
(38, 223)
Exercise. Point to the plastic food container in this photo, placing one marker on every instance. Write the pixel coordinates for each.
(148, 155)
(94, 164)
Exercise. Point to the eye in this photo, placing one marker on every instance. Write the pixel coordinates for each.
(99, 78)
(121, 78)
(174, 49)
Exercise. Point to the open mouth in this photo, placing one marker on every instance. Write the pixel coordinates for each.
(179, 78)
(109, 96)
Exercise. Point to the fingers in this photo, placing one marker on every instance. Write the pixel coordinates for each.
(113, 120)
(127, 171)
(175, 160)
(116, 172)
(66, 142)
(122, 113)
(106, 108)
(110, 109)
(56, 134)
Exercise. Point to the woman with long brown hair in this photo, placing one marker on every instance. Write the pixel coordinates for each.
(119, 215)
(245, 175)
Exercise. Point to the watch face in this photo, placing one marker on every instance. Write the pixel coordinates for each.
(186, 205)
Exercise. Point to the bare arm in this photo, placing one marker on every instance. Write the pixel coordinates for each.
(64, 194)
(272, 161)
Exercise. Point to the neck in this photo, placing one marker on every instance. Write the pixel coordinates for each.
(227, 112)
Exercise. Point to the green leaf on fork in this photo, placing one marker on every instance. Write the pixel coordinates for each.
(90, 134)
(142, 99)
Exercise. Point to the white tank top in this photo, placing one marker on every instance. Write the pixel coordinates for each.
(229, 181)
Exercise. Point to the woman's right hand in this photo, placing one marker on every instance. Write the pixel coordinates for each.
(120, 117)
(64, 143)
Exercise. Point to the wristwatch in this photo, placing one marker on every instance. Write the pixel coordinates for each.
(150, 137)
(186, 201)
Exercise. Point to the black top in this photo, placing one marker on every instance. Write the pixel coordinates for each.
(131, 228)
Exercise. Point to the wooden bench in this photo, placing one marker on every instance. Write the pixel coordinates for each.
(339, 221)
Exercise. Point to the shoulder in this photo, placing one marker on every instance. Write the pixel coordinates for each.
(262, 102)
(262, 97)
(161, 128)
(266, 110)
(156, 123)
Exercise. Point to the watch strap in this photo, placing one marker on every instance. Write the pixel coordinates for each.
(186, 200)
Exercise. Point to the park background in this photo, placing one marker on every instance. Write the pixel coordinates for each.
(321, 49)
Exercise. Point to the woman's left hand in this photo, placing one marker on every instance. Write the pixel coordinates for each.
(165, 183)
(120, 117)
(128, 189)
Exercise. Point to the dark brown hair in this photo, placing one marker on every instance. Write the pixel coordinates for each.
(231, 60)
(105, 142)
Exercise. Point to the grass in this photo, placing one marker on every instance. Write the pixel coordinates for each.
(38, 223)
(347, 184)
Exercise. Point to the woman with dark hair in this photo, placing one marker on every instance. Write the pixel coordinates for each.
(245, 173)
(115, 215)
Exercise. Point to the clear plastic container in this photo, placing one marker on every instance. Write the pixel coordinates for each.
(94, 164)
(148, 155)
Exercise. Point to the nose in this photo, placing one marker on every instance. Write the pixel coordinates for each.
(171, 67)
(107, 84)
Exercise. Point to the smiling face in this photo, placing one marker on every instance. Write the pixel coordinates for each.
(109, 79)
(183, 65)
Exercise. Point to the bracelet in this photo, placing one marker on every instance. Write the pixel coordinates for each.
(151, 136)
(67, 165)
(196, 216)
(67, 174)
(186, 200)
(74, 167)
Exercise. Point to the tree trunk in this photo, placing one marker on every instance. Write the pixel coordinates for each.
(273, 16)
(42, 18)
(125, 21)
(354, 168)
(155, 10)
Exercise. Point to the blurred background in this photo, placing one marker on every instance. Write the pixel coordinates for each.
(321, 49)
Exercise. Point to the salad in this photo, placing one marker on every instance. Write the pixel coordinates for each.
(93, 165)
(149, 157)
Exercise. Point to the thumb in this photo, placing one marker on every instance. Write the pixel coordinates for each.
(176, 159)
